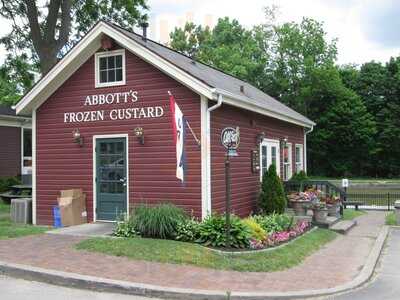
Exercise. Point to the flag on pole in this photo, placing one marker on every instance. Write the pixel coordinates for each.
(179, 128)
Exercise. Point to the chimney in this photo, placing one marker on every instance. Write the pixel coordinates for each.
(144, 26)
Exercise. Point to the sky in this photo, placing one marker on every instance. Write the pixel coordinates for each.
(366, 29)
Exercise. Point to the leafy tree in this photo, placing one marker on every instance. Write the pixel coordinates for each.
(50, 28)
(272, 197)
(228, 46)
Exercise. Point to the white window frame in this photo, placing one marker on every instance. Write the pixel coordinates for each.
(269, 144)
(97, 57)
(289, 163)
(301, 155)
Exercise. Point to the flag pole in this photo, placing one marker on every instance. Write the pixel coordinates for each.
(190, 128)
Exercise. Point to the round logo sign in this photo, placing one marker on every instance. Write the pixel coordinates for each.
(230, 137)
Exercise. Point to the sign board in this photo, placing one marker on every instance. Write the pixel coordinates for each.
(230, 137)
(98, 108)
(255, 161)
(345, 183)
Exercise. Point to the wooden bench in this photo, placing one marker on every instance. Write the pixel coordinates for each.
(355, 203)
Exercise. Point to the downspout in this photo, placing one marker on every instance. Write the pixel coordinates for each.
(208, 145)
(305, 147)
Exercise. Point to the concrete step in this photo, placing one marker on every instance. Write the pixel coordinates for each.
(343, 227)
(330, 221)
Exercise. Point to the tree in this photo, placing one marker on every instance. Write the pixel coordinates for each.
(228, 46)
(272, 197)
(51, 29)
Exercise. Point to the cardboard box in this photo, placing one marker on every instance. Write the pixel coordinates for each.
(72, 205)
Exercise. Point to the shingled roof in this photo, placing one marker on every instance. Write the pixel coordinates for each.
(216, 78)
(204, 79)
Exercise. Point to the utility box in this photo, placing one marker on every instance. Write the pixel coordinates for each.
(21, 210)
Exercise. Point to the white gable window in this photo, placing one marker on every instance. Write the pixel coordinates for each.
(299, 158)
(110, 68)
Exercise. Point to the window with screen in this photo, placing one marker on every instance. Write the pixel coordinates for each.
(287, 161)
(299, 158)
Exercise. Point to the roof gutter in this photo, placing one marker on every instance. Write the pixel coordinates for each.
(244, 101)
(305, 147)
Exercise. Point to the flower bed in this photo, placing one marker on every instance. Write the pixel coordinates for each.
(252, 233)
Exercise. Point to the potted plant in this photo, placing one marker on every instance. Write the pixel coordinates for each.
(300, 202)
(332, 204)
(320, 212)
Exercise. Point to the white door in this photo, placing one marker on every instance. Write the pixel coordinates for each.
(269, 154)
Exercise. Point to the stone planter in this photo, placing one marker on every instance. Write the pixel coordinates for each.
(332, 209)
(299, 208)
(320, 215)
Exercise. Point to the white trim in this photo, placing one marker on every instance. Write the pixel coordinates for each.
(25, 170)
(91, 43)
(290, 162)
(97, 57)
(305, 148)
(270, 143)
(205, 159)
(301, 147)
(109, 136)
(11, 121)
(34, 207)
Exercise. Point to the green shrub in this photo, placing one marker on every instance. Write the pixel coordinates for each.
(160, 221)
(257, 232)
(6, 182)
(274, 222)
(272, 198)
(126, 228)
(188, 230)
(212, 232)
(299, 176)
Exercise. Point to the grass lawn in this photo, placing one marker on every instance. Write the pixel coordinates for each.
(350, 214)
(11, 230)
(391, 219)
(167, 251)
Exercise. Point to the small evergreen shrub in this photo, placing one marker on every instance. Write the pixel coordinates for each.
(257, 232)
(212, 232)
(272, 198)
(160, 221)
(274, 222)
(188, 230)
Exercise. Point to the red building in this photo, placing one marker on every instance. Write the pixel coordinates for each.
(102, 122)
(15, 150)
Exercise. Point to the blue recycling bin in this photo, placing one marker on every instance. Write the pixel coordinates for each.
(57, 217)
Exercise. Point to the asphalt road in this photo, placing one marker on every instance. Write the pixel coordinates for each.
(17, 289)
(386, 283)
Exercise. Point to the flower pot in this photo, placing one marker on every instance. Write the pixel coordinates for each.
(332, 209)
(299, 208)
(320, 215)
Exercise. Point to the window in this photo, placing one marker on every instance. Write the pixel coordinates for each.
(26, 151)
(269, 154)
(110, 68)
(299, 158)
(287, 161)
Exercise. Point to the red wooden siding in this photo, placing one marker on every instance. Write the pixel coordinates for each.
(62, 164)
(10, 151)
(245, 184)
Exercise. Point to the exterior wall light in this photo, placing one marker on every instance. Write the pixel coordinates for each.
(139, 133)
(260, 137)
(284, 142)
(77, 137)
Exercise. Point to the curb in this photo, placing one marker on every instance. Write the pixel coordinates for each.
(115, 286)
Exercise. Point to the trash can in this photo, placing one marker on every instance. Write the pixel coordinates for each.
(397, 211)
(57, 217)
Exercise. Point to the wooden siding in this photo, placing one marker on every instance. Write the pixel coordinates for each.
(10, 151)
(245, 184)
(62, 164)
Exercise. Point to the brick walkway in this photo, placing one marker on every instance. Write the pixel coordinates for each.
(337, 263)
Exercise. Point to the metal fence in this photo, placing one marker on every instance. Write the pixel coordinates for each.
(379, 201)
